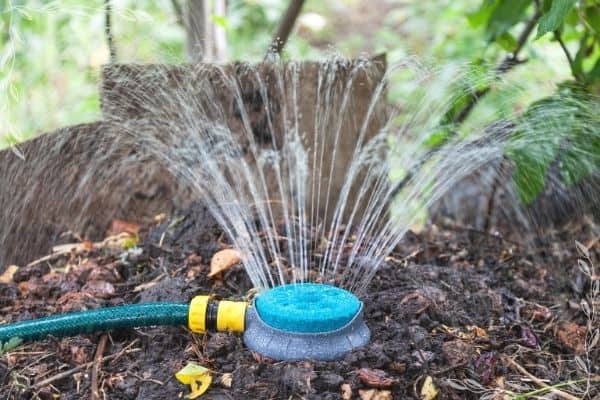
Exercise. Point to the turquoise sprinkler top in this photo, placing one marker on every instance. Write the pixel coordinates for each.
(307, 307)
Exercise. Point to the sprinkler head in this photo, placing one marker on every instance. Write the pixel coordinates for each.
(305, 321)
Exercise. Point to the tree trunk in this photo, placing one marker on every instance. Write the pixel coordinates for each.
(205, 40)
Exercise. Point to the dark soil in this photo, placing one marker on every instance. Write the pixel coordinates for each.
(470, 310)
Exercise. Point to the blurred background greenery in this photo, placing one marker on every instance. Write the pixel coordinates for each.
(51, 51)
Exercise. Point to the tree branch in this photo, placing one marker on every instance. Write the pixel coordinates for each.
(507, 64)
(178, 12)
(285, 27)
(108, 31)
(198, 33)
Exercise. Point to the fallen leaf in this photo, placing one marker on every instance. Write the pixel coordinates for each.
(346, 391)
(478, 332)
(121, 241)
(527, 336)
(536, 312)
(428, 390)
(99, 289)
(118, 226)
(376, 378)
(422, 357)
(197, 376)
(485, 367)
(7, 275)
(223, 260)
(398, 367)
(458, 352)
(227, 379)
(79, 354)
(374, 394)
(160, 218)
(572, 336)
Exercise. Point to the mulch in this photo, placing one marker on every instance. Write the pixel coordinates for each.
(454, 313)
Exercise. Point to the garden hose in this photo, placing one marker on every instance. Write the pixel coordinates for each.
(201, 315)
(288, 322)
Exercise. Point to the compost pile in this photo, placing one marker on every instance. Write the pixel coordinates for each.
(454, 314)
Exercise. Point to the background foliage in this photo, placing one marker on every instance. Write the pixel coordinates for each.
(51, 53)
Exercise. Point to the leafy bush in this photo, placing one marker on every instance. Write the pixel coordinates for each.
(562, 128)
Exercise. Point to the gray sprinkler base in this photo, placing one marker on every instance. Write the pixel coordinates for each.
(289, 346)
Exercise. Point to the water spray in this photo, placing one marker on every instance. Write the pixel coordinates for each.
(289, 322)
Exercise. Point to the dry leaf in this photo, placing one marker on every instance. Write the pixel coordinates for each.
(458, 352)
(478, 332)
(428, 390)
(227, 380)
(7, 275)
(197, 376)
(120, 226)
(99, 289)
(223, 260)
(572, 336)
(160, 218)
(375, 378)
(374, 394)
(346, 391)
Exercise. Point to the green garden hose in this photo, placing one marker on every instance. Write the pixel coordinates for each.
(102, 319)
(289, 322)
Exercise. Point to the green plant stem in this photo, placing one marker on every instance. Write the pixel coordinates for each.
(567, 54)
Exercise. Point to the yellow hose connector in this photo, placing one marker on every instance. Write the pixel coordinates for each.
(197, 314)
(231, 316)
(209, 315)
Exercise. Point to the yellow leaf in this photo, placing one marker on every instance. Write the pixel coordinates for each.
(428, 390)
(7, 275)
(197, 376)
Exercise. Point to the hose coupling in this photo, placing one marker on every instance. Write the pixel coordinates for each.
(208, 315)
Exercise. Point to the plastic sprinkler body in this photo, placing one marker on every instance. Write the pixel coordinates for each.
(305, 321)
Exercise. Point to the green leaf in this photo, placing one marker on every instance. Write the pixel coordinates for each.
(507, 42)
(437, 138)
(506, 14)
(592, 17)
(219, 20)
(594, 75)
(480, 17)
(553, 19)
(529, 175)
(11, 344)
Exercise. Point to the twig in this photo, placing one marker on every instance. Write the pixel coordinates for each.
(285, 27)
(95, 395)
(492, 199)
(514, 365)
(108, 31)
(505, 66)
(78, 368)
